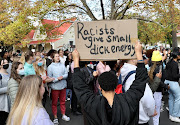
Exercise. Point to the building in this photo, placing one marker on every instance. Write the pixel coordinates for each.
(178, 36)
(60, 37)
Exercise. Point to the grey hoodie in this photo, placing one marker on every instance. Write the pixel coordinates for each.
(56, 70)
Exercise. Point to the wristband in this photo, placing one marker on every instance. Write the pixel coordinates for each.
(140, 60)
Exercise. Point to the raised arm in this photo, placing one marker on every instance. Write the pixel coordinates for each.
(136, 91)
(83, 93)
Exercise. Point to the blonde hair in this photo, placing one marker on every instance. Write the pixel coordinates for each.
(39, 69)
(22, 59)
(27, 100)
(16, 59)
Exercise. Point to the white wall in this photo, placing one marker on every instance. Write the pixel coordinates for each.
(68, 36)
(178, 41)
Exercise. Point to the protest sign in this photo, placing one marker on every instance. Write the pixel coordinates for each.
(106, 40)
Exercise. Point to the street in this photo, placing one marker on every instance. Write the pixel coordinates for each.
(78, 120)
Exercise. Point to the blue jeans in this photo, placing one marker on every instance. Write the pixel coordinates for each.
(69, 91)
(174, 98)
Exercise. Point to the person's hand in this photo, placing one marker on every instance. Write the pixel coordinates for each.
(164, 52)
(50, 79)
(138, 50)
(159, 75)
(155, 113)
(75, 54)
(76, 58)
(44, 77)
(60, 78)
(95, 73)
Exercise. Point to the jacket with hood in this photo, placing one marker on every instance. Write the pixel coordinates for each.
(125, 108)
(56, 70)
(147, 102)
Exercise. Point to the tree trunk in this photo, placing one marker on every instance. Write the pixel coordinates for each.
(174, 39)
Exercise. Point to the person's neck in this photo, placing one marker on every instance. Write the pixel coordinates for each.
(109, 96)
(3, 71)
(175, 60)
(29, 62)
(132, 63)
(56, 62)
(62, 56)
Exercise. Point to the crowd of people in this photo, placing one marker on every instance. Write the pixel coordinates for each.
(120, 92)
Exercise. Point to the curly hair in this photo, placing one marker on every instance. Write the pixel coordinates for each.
(14, 73)
(108, 81)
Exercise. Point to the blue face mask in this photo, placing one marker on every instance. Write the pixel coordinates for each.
(42, 56)
(21, 72)
(40, 63)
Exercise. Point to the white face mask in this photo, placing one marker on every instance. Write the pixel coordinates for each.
(21, 72)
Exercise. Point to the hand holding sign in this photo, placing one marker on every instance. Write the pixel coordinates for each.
(138, 50)
(75, 55)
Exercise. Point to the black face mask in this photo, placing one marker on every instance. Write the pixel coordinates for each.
(6, 66)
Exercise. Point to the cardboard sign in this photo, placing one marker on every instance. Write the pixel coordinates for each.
(106, 40)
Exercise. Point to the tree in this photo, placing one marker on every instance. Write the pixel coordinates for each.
(166, 14)
(157, 14)
(17, 18)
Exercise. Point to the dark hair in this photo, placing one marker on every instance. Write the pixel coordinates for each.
(3, 53)
(14, 73)
(108, 81)
(18, 51)
(59, 50)
(175, 52)
(111, 64)
(50, 53)
(28, 54)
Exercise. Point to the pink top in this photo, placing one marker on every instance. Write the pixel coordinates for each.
(102, 68)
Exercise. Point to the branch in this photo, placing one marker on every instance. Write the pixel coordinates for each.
(68, 21)
(102, 7)
(112, 8)
(89, 12)
(151, 21)
(123, 11)
(71, 5)
(115, 14)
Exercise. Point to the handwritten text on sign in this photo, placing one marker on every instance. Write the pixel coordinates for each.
(106, 40)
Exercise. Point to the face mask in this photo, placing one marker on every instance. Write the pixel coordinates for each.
(40, 63)
(21, 72)
(6, 66)
(42, 56)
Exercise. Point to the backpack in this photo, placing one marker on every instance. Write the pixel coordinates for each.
(120, 87)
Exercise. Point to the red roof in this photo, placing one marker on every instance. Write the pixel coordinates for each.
(30, 35)
(43, 41)
(50, 24)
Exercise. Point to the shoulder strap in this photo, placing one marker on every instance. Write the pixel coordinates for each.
(128, 75)
(120, 79)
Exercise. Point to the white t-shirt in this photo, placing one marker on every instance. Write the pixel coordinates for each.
(63, 59)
